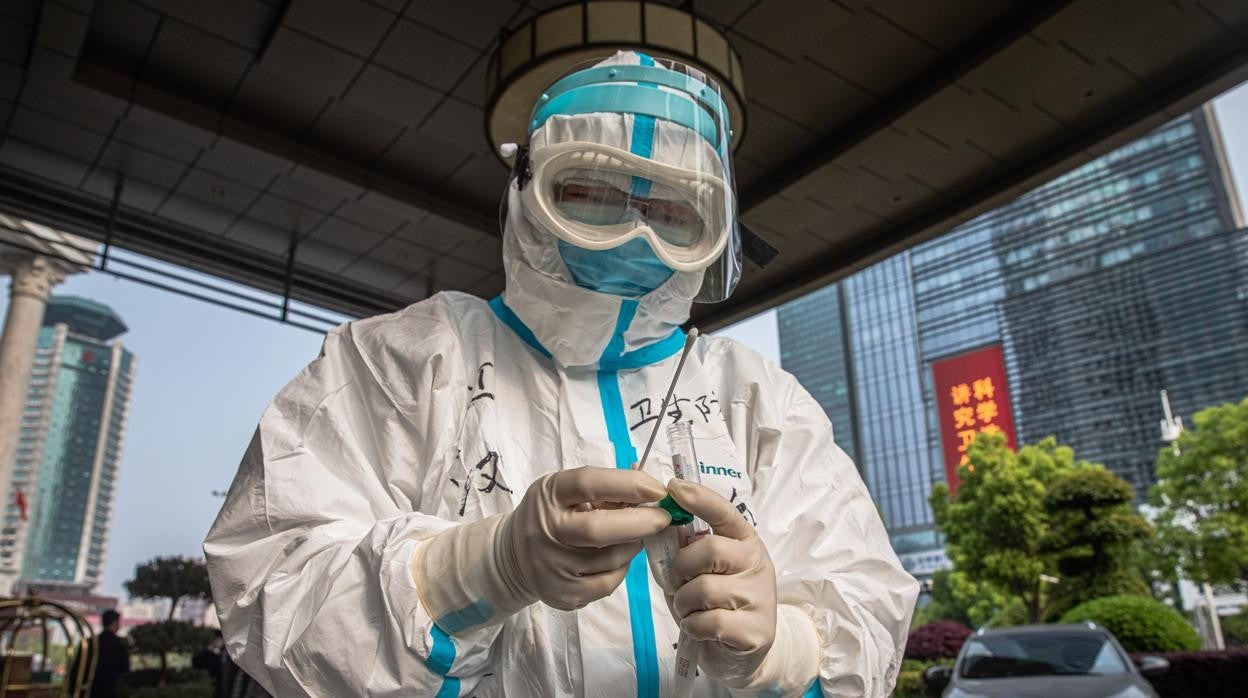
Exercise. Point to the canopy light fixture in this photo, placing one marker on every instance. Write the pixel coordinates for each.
(532, 56)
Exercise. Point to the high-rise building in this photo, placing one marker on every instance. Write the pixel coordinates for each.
(884, 341)
(817, 341)
(1114, 281)
(56, 529)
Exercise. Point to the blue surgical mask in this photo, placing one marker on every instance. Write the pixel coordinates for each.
(630, 270)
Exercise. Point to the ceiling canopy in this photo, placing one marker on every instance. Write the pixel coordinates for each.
(337, 150)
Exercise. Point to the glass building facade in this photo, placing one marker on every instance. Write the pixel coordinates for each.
(69, 448)
(824, 356)
(1118, 279)
(884, 337)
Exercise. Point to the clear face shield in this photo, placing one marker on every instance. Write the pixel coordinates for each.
(639, 152)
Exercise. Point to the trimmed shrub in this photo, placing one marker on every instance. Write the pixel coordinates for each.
(941, 639)
(910, 678)
(178, 683)
(169, 636)
(1141, 624)
(202, 689)
(1205, 674)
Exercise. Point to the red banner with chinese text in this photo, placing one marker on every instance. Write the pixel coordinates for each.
(972, 395)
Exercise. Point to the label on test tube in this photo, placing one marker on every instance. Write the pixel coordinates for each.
(687, 651)
(684, 455)
(684, 467)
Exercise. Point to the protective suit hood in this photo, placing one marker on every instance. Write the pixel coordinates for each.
(541, 293)
(576, 325)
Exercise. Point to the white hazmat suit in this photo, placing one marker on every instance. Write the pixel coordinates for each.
(411, 424)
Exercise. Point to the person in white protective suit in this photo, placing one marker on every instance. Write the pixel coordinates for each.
(443, 504)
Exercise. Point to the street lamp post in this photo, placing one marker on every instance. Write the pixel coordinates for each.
(1171, 426)
(1215, 623)
(1171, 430)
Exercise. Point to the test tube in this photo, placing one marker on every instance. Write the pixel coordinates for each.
(684, 455)
(685, 465)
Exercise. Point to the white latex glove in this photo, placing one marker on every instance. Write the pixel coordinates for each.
(725, 595)
(548, 549)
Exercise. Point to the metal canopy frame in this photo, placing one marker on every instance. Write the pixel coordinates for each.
(128, 268)
(374, 183)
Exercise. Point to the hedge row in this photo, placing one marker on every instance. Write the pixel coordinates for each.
(1205, 674)
(1141, 624)
(178, 683)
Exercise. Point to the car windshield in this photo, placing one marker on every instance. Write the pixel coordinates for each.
(1040, 654)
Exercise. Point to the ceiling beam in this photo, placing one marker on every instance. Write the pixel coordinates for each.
(991, 42)
(108, 81)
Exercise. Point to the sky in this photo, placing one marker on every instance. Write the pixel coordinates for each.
(204, 375)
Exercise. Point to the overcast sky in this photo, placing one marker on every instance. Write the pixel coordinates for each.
(205, 373)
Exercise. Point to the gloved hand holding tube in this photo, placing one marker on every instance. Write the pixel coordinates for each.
(551, 548)
(722, 592)
(688, 529)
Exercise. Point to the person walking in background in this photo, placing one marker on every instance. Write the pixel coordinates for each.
(114, 657)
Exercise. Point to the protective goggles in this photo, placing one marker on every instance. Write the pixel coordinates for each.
(597, 197)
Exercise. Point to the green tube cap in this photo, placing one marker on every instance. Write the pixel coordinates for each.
(680, 517)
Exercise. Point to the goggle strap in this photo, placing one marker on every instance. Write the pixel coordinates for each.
(754, 247)
(522, 168)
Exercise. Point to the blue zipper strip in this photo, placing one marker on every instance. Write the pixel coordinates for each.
(637, 581)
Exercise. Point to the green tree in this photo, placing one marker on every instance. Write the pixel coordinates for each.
(173, 578)
(1160, 567)
(954, 596)
(1202, 497)
(1095, 536)
(997, 527)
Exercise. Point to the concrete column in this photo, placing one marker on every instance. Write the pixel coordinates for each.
(33, 279)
